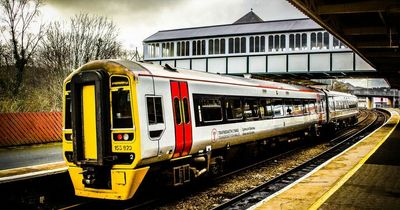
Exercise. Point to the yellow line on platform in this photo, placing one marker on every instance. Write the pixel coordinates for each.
(351, 172)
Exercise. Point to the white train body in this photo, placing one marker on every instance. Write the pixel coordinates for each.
(173, 117)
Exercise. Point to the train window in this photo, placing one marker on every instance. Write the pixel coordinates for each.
(121, 109)
(154, 110)
(297, 107)
(68, 112)
(233, 108)
(317, 107)
(177, 111)
(288, 107)
(331, 104)
(278, 107)
(305, 107)
(209, 110)
(266, 108)
(353, 104)
(311, 106)
(250, 109)
(186, 110)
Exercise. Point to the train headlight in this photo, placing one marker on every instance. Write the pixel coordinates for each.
(126, 137)
(119, 137)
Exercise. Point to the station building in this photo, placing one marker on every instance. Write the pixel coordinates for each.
(253, 46)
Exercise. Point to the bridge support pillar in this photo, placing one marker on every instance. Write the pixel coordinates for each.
(390, 102)
(370, 103)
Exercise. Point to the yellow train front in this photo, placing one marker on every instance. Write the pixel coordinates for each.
(100, 131)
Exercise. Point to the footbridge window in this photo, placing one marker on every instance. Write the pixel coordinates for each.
(337, 44)
(257, 44)
(182, 48)
(237, 45)
(276, 43)
(167, 49)
(298, 41)
(199, 47)
(153, 50)
(216, 46)
(319, 40)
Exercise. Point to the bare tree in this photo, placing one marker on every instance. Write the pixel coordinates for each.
(92, 38)
(18, 17)
(66, 46)
(54, 51)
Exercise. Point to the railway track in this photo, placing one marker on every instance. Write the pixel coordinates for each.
(255, 195)
(150, 203)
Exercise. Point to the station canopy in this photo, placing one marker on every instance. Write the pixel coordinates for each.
(369, 27)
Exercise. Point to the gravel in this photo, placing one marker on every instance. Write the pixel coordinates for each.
(213, 194)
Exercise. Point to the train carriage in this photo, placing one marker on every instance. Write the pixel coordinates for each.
(123, 118)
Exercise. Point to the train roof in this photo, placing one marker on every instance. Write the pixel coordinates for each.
(155, 70)
(337, 93)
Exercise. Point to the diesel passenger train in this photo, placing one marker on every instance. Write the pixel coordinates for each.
(123, 120)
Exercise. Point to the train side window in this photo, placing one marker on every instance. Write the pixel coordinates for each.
(121, 109)
(68, 112)
(288, 107)
(233, 108)
(154, 110)
(331, 104)
(278, 107)
(186, 110)
(305, 107)
(311, 107)
(251, 111)
(177, 111)
(209, 110)
(266, 108)
(297, 107)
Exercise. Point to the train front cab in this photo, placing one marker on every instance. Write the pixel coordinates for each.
(101, 133)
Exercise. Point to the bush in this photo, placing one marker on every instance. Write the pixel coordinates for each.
(39, 92)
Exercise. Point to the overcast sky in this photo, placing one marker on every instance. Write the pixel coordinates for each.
(138, 19)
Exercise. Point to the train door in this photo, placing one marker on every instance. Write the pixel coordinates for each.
(182, 120)
(90, 125)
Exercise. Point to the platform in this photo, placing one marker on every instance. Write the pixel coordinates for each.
(365, 176)
(24, 162)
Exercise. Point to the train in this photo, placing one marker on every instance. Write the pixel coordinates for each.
(124, 120)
